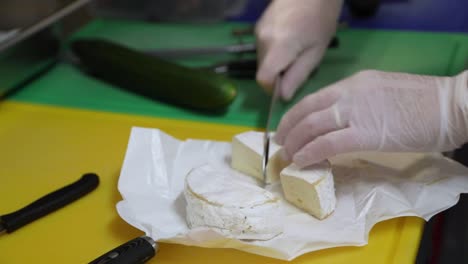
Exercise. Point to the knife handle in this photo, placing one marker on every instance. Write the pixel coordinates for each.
(136, 251)
(49, 203)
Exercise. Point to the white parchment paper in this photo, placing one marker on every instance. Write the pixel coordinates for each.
(370, 187)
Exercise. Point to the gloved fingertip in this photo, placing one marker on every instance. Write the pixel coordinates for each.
(279, 139)
(287, 94)
(303, 160)
(294, 77)
(284, 155)
(264, 81)
(299, 160)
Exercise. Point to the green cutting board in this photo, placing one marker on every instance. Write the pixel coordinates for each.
(413, 52)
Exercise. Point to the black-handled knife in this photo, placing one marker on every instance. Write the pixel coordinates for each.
(136, 251)
(247, 68)
(49, 203)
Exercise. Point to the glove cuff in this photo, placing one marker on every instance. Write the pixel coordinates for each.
(458, 116)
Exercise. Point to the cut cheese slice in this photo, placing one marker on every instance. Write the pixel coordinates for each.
(247, 153)
(233, 207)
(311, 189)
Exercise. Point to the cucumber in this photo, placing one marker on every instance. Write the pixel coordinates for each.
(154, 77)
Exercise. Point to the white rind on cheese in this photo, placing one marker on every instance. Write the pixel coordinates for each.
(311, 189)
(247, 153)
(231, 206)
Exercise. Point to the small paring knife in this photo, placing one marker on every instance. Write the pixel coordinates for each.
(268, 127)
(48, 203)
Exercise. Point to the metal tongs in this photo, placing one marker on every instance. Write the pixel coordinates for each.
(269, 128)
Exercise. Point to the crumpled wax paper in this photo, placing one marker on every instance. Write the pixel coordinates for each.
(370, 187)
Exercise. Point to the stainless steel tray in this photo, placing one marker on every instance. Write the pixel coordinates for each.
(27, 52)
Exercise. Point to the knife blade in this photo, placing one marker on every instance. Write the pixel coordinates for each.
(236, 49)
(268, 127)
(177, 53)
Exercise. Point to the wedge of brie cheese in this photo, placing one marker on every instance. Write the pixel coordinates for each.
(311, 189)
(231, 206)
(247, 153)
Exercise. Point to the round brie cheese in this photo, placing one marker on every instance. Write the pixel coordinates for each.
(235, 208)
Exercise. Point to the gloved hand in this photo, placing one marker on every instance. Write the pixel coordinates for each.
(379, 111)
(292, 36)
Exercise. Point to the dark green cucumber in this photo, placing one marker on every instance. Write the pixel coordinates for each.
(154, 77)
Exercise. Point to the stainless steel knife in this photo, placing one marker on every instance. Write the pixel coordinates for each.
(269, 127)
(177, 53)
(188, 52)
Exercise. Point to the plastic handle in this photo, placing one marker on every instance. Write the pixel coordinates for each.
(138, 250)
(50, 202)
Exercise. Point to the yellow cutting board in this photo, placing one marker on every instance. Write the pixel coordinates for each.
(44, 148)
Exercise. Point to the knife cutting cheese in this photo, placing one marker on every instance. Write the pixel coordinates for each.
(310, 189)
(269, 127)
(247, 151)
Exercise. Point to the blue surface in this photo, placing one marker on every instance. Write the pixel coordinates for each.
(252, 11)
(421, 15)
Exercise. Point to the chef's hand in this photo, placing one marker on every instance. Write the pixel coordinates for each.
(294, 35)
(378, 111)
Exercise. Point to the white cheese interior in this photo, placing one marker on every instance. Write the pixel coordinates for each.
(231, 206)
(247, 153)
(311, 189)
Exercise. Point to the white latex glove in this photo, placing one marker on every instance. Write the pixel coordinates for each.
(294, 35)
(379, 111)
